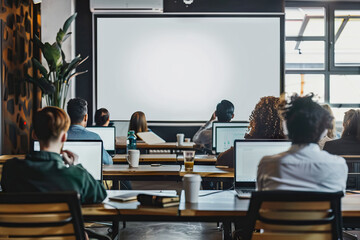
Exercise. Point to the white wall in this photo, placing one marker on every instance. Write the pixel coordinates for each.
(53, 15)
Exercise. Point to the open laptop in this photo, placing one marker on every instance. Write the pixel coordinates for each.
(107, 135)
(224, 124)
(248, 154)
(226, 135)
(89, 152)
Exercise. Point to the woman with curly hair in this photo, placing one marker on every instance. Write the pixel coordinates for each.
(265, 123)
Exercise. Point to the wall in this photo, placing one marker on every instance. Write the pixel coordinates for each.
(20, 20)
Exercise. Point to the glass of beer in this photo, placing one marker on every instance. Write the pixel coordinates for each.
(189, 157)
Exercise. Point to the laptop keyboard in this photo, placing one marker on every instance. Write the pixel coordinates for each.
(244, 193)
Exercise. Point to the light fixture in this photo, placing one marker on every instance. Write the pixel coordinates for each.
(36, 1)
(188, 2)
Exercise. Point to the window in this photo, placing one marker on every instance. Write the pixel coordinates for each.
(322, 52)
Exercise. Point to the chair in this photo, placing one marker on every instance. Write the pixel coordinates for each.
(294, 215)
(41, 216)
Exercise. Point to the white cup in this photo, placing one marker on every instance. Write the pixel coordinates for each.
(180, 138)
(192, 184)
(133, 158)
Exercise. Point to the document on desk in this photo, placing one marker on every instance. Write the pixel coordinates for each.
(150, 138)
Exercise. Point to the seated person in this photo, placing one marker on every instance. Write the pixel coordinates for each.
(138, 122)
(331, 133)
(224, 113)
(349, 143)
(265, 123)
(47, 170)
(77, 110)
(102, 117)
(304, 167)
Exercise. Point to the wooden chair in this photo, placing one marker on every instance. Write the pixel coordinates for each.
(293, 215)
(41, 216)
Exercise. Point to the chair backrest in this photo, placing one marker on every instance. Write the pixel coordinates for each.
(294, 215)
(41, 216)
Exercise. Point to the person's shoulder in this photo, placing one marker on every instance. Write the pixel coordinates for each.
(274, 158)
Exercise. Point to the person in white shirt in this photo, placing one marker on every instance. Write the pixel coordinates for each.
(224, 113)
(304, 167)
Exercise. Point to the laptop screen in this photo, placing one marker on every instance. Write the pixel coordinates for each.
(107, 134)
(225, 137)
(89, 152)
(224, 124)
(248, 154)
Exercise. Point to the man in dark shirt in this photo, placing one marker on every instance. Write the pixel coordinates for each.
(47, 170)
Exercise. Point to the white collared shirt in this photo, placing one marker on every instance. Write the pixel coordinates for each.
(302, 168)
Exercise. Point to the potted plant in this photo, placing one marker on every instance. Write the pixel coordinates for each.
(54, 80)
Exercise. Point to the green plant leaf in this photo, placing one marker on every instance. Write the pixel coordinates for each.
(68, 22)
(39, 66)
(52, 54)
(38, 42)
(74, 75)
(60, 36)
(45, 86)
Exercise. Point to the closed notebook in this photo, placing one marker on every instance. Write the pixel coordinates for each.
(158, 201)
(125, 197)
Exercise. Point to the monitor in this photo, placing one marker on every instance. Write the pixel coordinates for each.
(248, 154)
(89, 152)
(225, 137)
(224, 124)
(107, 135)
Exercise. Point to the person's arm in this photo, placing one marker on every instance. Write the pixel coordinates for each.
(226, 158)
(107, 159)
(259, 178)
(93, 191)
(198, 137)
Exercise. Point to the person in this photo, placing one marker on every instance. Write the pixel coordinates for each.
(265, 123)
(47, 170)
(224, 113)
(304, 167)
(349, 143)
(77, 110)
(138, 122)
(102, 117)
(331, 133)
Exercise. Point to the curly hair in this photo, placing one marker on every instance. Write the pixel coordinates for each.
(305, 119)
(265, 122)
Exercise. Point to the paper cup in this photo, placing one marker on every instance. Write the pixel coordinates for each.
(192, 184)
(180, 138)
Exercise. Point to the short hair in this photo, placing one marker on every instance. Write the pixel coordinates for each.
(138, 122)
(305, 119)
(265, 121)
(77, 109)
(49, 122)
(352, 124)
(102, 115)
(224, 111)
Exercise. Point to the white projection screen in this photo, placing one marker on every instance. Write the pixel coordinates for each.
(177, 68)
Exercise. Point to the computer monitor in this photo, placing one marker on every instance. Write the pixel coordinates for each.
(89, 152)
(107, 135)
(225, 137)
(248, 154)
(224, 124)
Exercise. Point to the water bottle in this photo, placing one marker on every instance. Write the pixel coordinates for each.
(131, 140)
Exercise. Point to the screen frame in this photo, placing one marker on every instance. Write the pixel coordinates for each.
(222, 127)
(96, 16)
(85, 140)
(250, 184)
(214, 123)
(114, 130)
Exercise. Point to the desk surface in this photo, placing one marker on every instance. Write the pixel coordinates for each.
(121, 143)
(149, 158)
(143, 170)
(222, 203)
(210, 171)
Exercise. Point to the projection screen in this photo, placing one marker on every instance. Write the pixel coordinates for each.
(177, 68)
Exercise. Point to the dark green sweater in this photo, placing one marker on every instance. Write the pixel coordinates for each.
(46, 172)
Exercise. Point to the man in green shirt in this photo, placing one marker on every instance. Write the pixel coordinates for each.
(47, 170)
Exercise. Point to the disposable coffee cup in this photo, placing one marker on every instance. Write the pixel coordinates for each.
(180, 138)
(187, 139)
(133, 158)
(191, 183)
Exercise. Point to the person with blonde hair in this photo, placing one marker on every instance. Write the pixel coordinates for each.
(47, 170)
(349, 143)
(138, 122)
(331, 132)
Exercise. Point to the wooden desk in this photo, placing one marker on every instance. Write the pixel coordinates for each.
(206, 171)
(121, 144)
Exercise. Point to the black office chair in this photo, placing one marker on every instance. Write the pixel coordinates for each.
(293, 215)
(42, 216)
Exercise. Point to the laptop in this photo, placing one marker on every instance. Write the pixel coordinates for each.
(248, 154)
(107, 135)
(226, 135)
(89, 152)
(224, 124)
